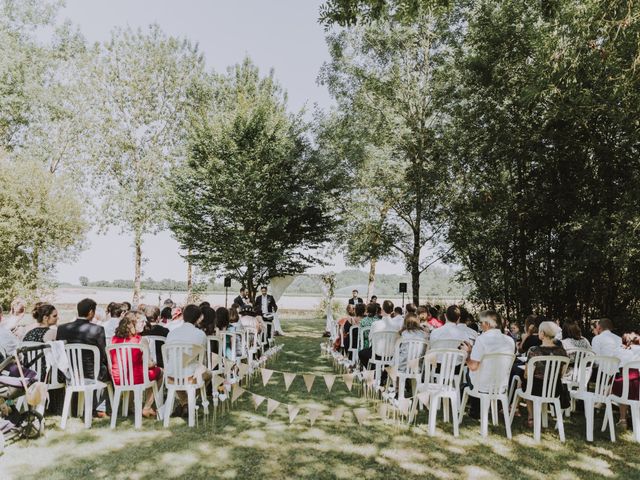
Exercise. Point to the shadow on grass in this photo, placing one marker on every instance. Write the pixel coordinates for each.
(245, 444)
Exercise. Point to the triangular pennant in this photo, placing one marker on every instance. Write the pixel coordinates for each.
(308, 381)
(414, 363)
(266, 375)
(368, 376)
(348, 380)
(293, 412)
(288, 379)
(384, 408)
(237, 392)
(217, 381)
(314, 413)
(361, 414)
(423, 397)
(243, 369)
(257, 400)
(329, 379)
(337, 414)
(391, 371)
(215, 360)
(272, 405)
(403, 405)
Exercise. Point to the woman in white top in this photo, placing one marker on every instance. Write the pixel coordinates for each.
(411, 330)
(572, 338)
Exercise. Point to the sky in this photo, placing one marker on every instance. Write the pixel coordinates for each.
(279, 34)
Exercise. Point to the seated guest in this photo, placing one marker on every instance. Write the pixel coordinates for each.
(411, 330)
(365, 352)
(410, 308)
(492, 340)
(8, 341)
(351, 341)
(606, 343)
(84, 332)
(450, 330)
(341, 324)
(176, 318)
(529, 329)
(533, 339)
(165, 315)
(631, 352)
(432, 318)
(126, 307)
(387, 322)
(547, 332)
(115, 312)
(208, 324)
(13, 321)
(129, 331)
(468, 325)
(46, 317)
(234, 316)
(572, 337)
(188, 333)
(154, 327)
(397, 312)
(224, 324)
(249, 319)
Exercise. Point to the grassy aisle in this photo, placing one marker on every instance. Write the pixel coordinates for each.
(245, 444)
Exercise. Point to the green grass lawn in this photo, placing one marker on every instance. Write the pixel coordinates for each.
(244, 444)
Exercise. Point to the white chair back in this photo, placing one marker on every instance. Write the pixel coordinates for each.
(383, 345)
(449, 373)
(177, 357)
(444, 344)
(554, 367)
(155, 346)
(123, 353)
(498, 366)
(577, 356)
(363, 333)
(406, 350)
(229, 340)
(39, 366)
(75, 355)
(607, 367)
(214, 343)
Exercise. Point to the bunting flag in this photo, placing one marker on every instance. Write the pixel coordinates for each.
(314, 413)
(361, 415)
(384, 409)
(328, 380)
(403, 405)
(368, 376)
(217, 381)
(392, 371)
(215, 360)
(266, 375)
(413, 363)
(243, 369)
(272, 405)
(308, 381)
(236, 392)
(293, 412)
(348, 380)
(423, 397)
(337, 414)
(288, 379)
(257, 400)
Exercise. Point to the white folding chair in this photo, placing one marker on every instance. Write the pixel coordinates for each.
(78, 383)
(404, 366)
(44, 371)
(607, 367)
(382, 349)
(554, 367)
(177, 358)
(363, 332)
(497, 367)
(353, 342)
(571, 378)
(625, 399)
(444, 344)
(155, 346)
(441, 380)
(251, 340)
(123, 353)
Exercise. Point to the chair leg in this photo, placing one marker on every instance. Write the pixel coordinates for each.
(433, 413)
(612, 426)
(115, 404)
(80, 404)
(125, 407)
(545, 415)
(157, 395)
(65, 408)
(514, 406)
(445, 410)
(191, 395)
(168, 406)
(88, 409)
(454, 416)
(537, 420)
(559, 420)
(635, 420)
(494, 411)
(463, 404)
(588, 415)
(137, 405)
(507, 419)
(484, 415)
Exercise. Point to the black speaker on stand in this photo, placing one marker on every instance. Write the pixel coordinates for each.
(402, 288)
(227, 284)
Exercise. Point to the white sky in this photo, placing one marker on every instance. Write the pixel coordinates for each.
(280, 34)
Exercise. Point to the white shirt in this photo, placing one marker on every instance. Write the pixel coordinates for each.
(8, 342)
(387, 323)
(186, 333)
(173, 324)
(110, 328)
(265, 305)
(449, 331)
(491, 341)
(607, 344)
(469, 332)
(249, 321)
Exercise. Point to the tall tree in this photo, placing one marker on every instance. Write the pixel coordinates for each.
(253, 200)
(387, 74)
(140, 82)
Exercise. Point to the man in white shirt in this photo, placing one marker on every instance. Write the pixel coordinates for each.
(187, 333)
(450, 330)
(492, 340)
(606, 343)
(176, 319)
(8, 341)
(111, 324)
(387, 322)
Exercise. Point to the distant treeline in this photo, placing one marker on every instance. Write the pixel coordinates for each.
(437, 282)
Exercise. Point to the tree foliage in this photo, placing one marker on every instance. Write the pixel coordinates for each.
(253, 201)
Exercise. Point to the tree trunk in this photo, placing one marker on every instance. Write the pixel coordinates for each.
(137, 241)
(372, 277)
(251, 288)
(415, 282)
(189, 277)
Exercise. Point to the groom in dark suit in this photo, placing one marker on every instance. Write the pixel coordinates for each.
(242, 299)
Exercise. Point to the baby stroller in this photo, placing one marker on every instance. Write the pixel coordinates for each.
(17, 380)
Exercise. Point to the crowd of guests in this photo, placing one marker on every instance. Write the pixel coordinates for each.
(189, 324)
(489, 333)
